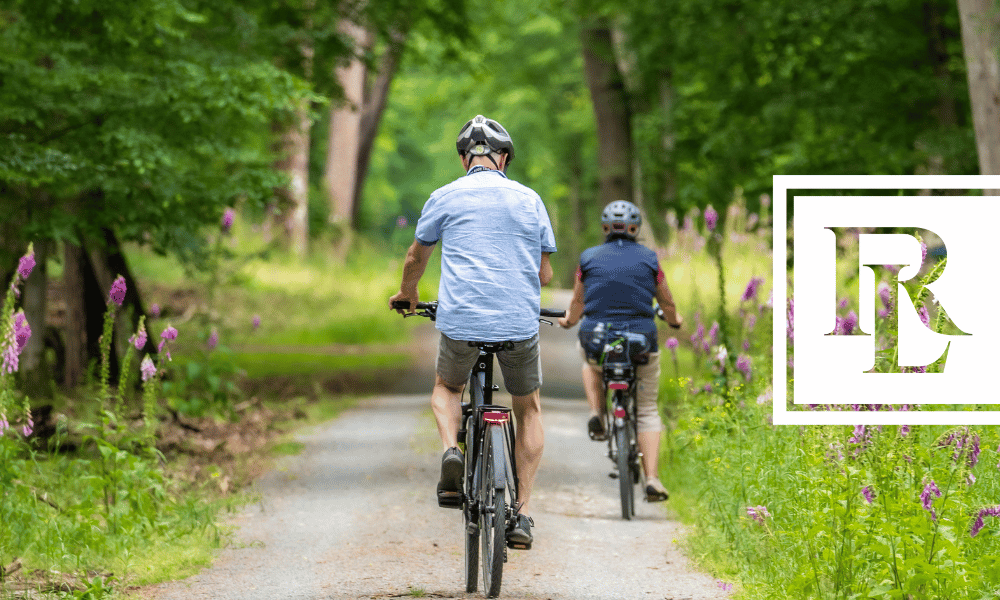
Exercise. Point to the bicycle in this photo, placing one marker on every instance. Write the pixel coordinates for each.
(622, 352)
(489, 499)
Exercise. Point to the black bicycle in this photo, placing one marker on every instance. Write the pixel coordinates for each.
(489, 500)
(622, 352)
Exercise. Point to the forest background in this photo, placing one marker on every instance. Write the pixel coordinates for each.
(129, 129)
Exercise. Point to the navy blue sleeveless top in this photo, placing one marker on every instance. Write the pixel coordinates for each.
(619, 280)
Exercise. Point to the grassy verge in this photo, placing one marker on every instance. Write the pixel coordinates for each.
(106, 517)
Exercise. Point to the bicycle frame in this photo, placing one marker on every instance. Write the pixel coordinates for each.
(485, 415)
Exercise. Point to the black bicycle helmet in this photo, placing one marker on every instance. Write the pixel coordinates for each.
(619, 215)
(481, 136)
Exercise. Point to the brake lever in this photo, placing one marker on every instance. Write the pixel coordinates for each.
(546, 321)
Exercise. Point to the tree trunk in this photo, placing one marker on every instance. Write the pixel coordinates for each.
(611, 112)
(341, 174)
(76, 341)
(980, 40)
(617, 170)
(371, 115)
(291, 210)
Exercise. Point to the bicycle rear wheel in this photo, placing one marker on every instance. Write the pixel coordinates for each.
(626, 487)
(471, 511)
(493, 515)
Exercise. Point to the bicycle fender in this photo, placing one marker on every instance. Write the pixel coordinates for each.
(499, 462)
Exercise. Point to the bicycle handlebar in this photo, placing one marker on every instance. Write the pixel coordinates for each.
(430, 308)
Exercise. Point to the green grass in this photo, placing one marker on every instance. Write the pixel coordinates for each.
(259, 365)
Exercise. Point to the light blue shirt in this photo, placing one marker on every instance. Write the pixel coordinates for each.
(493, 233)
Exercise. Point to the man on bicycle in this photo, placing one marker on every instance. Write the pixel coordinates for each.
(496, 239)
(615, 286)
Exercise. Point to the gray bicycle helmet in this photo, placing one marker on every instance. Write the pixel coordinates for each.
(482, 136)
(619, 215)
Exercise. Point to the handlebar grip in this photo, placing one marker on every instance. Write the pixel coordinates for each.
(401, 305)
(551, 312)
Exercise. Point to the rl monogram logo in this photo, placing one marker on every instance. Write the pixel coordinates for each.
(891, 292)
(863, 248)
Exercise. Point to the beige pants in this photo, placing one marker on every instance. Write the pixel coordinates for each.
(648, 381)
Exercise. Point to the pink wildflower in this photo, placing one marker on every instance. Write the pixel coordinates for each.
(117, 293)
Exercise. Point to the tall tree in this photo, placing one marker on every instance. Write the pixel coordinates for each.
(129, 118)
(981, 40)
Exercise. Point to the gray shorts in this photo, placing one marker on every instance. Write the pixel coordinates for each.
(521, 367)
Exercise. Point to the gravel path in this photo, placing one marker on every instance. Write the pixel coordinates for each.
(354, 516)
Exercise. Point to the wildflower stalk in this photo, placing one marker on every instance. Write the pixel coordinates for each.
(105, 346)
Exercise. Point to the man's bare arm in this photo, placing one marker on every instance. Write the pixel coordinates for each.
(545, 272)
(417, 258)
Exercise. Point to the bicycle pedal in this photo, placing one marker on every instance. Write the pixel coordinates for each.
(450, 499)
(517, 546)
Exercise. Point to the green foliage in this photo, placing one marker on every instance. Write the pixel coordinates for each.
(732, 93)
(130, 118)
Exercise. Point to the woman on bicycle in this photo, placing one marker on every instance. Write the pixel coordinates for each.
(616, 283)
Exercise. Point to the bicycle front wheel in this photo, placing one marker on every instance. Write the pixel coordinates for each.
(626, 487)
(493, 513)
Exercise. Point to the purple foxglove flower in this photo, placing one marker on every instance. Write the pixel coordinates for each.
(974, 451)
(885, 294)
(672, 343)
(117, 293)
(751, 321)
(708, 387)
(139, 339)
(147, 368)
(923, 252)
(711, 217)
(867, 493)
(4, 425)
(27, 429)
(22, 331)
(713, 333)
(904, 430)
(926, 499)
(925, 316)
(227, 220)
(170, 333)
(977, 526)
(848, 323)
(758, 513)
(213, 340)
(154, 310)
(843, 303)
(698, 334)
(970, 479)
(750, 292)
(256, 322)
(26, 264)
(743, 365)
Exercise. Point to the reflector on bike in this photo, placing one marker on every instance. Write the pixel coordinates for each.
(618, 385)
(496, 417)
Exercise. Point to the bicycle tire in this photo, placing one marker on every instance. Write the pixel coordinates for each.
(625, 486)
(471, 518)
(493, 516)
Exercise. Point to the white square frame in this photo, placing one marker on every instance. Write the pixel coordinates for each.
(781, 185)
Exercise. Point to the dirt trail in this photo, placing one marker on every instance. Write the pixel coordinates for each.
(354, 516)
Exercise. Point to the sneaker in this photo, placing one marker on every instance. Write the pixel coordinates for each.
(595, 428)
(449, 489)
(655, 492)
(519, 537)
